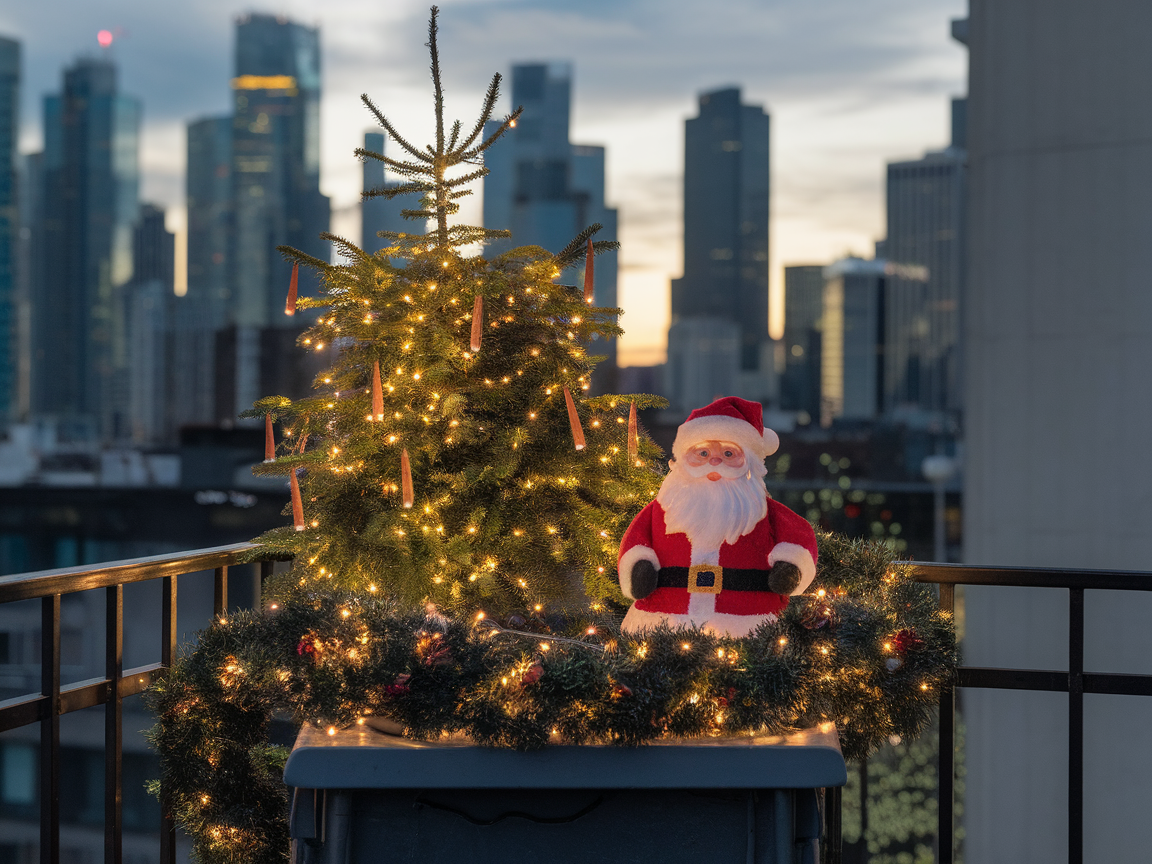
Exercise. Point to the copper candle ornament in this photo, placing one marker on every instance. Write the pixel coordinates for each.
(407, 496)
(633, 434)
(477, 322)
(377, 393)
(269, 440)
(588, 268)
(574, 421)
(290, 305)
(297, 504)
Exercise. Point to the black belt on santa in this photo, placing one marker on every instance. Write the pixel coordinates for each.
(712, 578)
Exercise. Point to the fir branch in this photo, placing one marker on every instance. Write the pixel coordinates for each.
(347, 248)
(390, 192)
(406, 168)
(292, 254)
(467, 178)
(390, 129)
(485, 113)
(505, 125)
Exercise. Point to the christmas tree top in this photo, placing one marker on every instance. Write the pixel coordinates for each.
(452, 454)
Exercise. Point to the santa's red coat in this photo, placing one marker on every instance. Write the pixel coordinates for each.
(780, 536)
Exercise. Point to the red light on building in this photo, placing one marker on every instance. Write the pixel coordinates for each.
(104, 37)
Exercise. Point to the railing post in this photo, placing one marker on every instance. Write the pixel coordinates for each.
(167, 655)
(946, 757)
(1075, 725)
(266, 570)
(113, 725)
(50, 730)
(220, 592)
(832, 850)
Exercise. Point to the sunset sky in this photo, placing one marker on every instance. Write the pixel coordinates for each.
(850, 84)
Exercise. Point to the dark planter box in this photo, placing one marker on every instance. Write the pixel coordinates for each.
(362, 796)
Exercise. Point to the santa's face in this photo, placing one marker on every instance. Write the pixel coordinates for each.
(715, 460)
(713, 493)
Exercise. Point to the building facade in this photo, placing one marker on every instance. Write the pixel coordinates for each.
(276, 198)
(726, 212)
(1058, 341)
(853, 340)
(149, 311)
(90, 176)
(926, 202)
(803, 310)
(9, 224)
(546, 190)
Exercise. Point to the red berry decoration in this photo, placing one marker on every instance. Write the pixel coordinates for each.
(399, 686)
(816, 614)
(535, 671)
(905, 641)
(307, 645)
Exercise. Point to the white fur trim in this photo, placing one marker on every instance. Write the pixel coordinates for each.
(628, 561)
(719, 624)
(721, 428)
(798, 555)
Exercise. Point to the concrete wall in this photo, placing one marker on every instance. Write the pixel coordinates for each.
(1059, 409)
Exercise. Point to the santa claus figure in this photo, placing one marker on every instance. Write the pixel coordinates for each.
(713, 550)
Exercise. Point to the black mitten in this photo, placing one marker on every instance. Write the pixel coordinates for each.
(783, 577)
(644, 577)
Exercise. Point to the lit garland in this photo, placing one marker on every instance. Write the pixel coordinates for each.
(866, 648)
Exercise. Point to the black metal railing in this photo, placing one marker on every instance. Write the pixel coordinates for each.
(118, 683)
(1075, 682)
(54, 700)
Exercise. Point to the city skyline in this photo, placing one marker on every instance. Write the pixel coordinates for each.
(851, 86)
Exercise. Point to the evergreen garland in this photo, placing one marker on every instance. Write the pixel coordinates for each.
(867, 649)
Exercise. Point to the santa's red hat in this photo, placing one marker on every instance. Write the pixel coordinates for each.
(728, 419)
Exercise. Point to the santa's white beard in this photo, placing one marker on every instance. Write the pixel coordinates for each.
(712, 512)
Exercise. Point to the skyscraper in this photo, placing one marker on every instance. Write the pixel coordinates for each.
(148, 313)
(926, 207)
(9, 221)
(206, 307)
(208, 193)
(803, 309)
(852, 340)
(546, 189)
(726, 210)
(91, 178)
(276, 199)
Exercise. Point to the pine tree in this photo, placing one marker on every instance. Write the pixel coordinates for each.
(473, 374)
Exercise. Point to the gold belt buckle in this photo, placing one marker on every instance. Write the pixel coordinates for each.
(705, 578)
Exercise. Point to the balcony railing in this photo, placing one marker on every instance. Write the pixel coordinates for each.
(118, 683)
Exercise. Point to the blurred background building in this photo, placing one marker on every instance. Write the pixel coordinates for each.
(546, 190)
(82, 257)
(1058, 341)
(718, 343)
(9, 224)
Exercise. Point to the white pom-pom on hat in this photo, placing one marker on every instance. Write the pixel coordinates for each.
(728, 419)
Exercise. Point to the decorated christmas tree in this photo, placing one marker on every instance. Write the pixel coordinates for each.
(453, 454)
